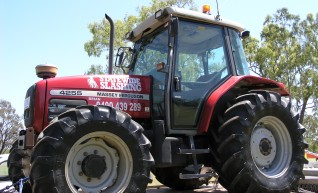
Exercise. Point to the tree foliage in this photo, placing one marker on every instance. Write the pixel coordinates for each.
(10, 124)
(311, 125)
(308, 30)
(286, 53)
(95, 69)
(101, 30)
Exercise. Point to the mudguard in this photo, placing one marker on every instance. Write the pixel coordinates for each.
(247, 82)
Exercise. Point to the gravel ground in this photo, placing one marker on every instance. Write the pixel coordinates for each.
(203, 189)
(156, 187)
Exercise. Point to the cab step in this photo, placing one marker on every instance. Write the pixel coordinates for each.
(194, 151)
(195, 176)
(196, 168)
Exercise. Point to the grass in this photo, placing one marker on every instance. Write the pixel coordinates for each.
(3, 169)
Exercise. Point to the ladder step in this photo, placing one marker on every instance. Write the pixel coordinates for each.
(194, 176)
(194, 151)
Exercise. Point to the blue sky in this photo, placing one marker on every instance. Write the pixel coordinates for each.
(35, 32)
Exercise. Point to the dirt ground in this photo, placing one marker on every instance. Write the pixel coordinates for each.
(157, 187)
(212, 187)
(203, 189)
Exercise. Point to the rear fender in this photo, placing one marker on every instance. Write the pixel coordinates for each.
(241, 83)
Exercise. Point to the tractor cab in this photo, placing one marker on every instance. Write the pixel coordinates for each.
(188, 54)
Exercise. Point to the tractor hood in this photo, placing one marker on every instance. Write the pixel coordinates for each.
(53, 96)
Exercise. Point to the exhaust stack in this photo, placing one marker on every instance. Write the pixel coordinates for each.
(111, 44)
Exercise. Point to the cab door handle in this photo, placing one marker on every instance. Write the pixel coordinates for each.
(177, 83)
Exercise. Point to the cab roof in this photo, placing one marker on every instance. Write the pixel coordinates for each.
(153, 23)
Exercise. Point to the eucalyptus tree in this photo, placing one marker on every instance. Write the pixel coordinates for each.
(287, 52)
(311, 125)
(10, 124)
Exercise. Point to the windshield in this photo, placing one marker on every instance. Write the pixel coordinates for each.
(150, 51)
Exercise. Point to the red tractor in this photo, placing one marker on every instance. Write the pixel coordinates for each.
(186, 103)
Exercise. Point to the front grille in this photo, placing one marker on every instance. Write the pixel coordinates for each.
(58, 106)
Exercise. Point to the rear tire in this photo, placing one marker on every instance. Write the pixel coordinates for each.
(91, 149)
(18, 161)
(259, 145)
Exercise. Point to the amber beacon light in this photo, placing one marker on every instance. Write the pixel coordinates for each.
(206, 9)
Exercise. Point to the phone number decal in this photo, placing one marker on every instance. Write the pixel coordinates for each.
(123, 106)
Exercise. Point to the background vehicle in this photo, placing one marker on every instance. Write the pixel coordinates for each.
(4, 177)
(187, 104)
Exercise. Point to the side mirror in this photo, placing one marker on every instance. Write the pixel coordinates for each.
(122, 57)
(245, 34)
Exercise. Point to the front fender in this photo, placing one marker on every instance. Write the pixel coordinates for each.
(245, 83)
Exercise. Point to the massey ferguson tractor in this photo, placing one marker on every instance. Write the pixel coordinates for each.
(186, 105)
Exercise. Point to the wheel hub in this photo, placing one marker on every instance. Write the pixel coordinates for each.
(94, 166)
(265, 146)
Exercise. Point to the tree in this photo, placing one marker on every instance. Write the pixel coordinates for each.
(10, 124)
(251, 45)
(308, 30)
(286, 54)
(311, 125)
(95, 69)
(101, 31)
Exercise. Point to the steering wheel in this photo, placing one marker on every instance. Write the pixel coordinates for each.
(213, 76)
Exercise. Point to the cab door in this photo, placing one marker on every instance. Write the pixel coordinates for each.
(200, 65)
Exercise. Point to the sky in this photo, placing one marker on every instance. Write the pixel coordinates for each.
(36, 32)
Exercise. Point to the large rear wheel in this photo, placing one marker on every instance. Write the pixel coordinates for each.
(260, 145)
(91, 149)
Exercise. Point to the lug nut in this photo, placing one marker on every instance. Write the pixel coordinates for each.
(79, 162)
(95, 152)
(89, 179)
(80, 173)
(85, 153)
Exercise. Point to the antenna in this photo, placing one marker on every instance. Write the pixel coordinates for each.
(217, 7)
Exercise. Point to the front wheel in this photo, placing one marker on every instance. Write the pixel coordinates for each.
(260, 145)
(91, 149)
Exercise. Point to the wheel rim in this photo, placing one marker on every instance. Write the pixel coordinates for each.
(271, 147)
(112, 156)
